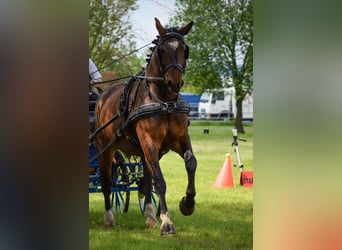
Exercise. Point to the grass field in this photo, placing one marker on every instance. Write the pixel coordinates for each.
(223, 218)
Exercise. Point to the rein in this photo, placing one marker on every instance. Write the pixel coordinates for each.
(130, 76)
(118, 59)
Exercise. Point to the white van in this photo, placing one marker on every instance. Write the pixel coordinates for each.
(220, 104)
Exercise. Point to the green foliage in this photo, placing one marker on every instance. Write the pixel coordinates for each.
(111, 37)
(221, 46)
(223, 218)
(221, 43)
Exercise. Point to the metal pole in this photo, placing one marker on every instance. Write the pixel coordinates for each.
(236, 148)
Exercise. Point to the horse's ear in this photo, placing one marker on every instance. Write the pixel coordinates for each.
(160, 27)
(185, 30)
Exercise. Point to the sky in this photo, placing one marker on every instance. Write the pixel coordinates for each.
(143, 19)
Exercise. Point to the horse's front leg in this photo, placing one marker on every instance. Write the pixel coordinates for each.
(105, 164)
(146, 189)
(187, 204)
(160, 188)
(152, 161)
(151, 150)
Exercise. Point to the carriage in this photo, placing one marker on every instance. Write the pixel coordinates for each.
(142, 120)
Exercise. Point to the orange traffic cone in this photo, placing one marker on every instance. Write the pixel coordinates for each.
(225, 177)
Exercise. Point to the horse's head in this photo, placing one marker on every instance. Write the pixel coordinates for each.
(171, 54)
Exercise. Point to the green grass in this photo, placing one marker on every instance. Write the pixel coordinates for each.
(223, 218)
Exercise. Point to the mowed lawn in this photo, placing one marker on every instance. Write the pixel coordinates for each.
(223, 218)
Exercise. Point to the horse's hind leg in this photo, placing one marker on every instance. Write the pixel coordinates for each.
(105, 162)
(187, 204)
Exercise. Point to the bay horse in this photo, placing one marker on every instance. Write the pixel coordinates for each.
(147, 117)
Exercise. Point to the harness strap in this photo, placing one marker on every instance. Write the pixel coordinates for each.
(103, 126)
(177, 66)
(152, 109)
(122, 105)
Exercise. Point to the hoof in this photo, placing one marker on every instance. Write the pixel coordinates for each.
(167, 229)
(186, 209)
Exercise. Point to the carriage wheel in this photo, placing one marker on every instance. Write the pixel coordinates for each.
(155, 202)
(121, 201)
(121, 195)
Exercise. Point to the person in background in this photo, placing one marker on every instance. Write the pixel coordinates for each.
(94, 74)
(94, 77)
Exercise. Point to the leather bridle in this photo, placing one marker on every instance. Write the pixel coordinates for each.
(177, 66)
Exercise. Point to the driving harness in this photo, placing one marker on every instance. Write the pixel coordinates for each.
(156, 108)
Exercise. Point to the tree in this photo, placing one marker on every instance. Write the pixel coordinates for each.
(110, 36)
(221, 46)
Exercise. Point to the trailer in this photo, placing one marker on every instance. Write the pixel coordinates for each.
(220, 104)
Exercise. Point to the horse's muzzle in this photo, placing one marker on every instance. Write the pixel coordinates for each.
(174, 87)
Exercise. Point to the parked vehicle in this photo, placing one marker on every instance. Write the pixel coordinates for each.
(193, 100)
(220, 104)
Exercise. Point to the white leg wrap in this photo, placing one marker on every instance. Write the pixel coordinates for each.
(109, 218)
(151, 220)
(165, 218)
